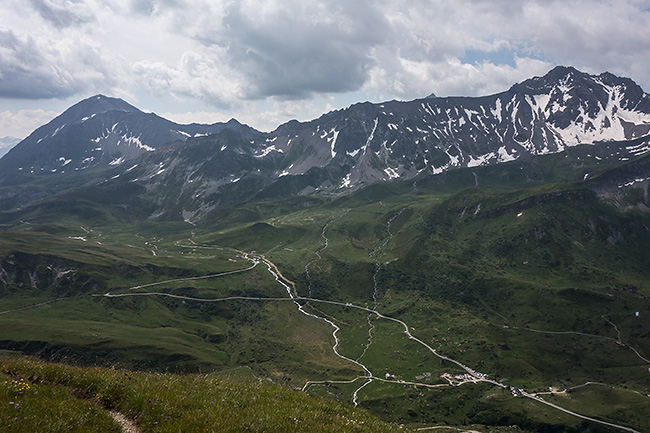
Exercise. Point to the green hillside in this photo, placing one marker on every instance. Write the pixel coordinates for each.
(39, 397)
(540, 287)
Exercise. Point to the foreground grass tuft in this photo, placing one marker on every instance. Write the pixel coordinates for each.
(36, 396)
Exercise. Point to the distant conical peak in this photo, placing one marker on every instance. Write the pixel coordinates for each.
(106, 103)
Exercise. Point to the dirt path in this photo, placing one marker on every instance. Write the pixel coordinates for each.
(127, 426)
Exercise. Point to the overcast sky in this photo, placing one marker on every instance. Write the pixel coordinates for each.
(264, 62)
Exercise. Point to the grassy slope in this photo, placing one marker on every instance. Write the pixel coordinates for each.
(35, 396)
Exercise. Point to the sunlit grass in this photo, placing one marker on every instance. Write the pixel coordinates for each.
(37, 396)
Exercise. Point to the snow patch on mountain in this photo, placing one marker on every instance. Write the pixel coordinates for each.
(332, 141)
(269, 150)
(131, 140)
(58, 130)
(391, 173)
(480, 160)
(346, 182)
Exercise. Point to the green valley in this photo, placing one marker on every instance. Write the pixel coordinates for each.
(478, 307)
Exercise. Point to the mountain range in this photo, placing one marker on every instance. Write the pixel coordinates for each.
(193, 169)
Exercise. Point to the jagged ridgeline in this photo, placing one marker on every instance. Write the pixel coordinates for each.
(189, 170)
(479, 263)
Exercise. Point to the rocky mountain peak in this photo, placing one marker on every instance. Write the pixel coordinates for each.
(86, 109)
(98, 132)
(98, 104)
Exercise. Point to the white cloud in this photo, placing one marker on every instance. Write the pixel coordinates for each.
(434, 37)
(21, 123)
(196, 75)
(264, 118)
(592, 35)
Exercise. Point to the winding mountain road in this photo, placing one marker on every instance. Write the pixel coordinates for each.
(290, 287)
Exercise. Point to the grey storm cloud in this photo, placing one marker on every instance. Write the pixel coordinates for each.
(33, 68)
(294, 51)
(25, 74)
